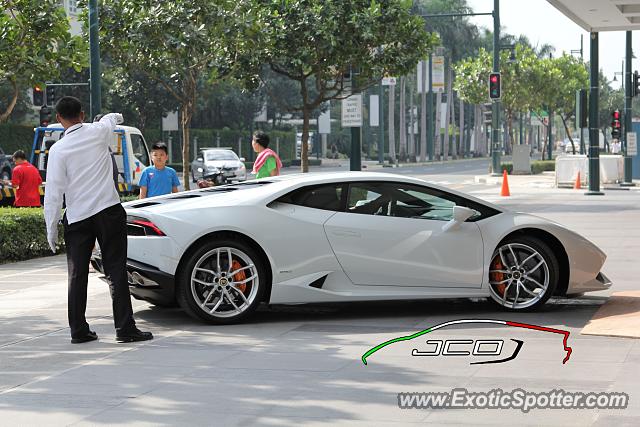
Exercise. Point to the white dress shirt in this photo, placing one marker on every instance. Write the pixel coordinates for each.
(80, 168)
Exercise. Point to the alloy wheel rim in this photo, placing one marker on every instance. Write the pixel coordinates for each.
(518, 276)
(224, 282)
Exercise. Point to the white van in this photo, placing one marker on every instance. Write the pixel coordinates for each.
(128, 146)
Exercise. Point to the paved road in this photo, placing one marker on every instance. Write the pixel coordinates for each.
(301, 365)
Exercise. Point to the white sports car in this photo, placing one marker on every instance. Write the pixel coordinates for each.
(353, 236)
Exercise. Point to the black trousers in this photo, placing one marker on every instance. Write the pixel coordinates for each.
(109, 226)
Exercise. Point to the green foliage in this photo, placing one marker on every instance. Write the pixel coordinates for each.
(35, 44)
(23, 234)
(315, 42)
(16, 137)
(458, 34)
(174, 44)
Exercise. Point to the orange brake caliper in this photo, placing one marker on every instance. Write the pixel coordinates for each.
(498, 277)
(240, 276)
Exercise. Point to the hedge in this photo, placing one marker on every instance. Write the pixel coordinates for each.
(23, 234)
(537, 166)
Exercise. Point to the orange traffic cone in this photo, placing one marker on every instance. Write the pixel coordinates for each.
(577, 185)
(505, 185)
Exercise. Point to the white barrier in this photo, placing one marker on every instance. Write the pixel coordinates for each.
(567, 167)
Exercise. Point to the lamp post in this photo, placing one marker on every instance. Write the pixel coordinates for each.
(94, 70)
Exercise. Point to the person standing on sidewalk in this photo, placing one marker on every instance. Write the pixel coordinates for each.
(267, 163)
(80, 168)
(26, 180)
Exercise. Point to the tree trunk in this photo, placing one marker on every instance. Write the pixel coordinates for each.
(412, 139)
(423, 126)
(392, 120)
(437, 139)
(185, 122)
(476, 133)
(463, 140)
(403, 120)
(306, 115)
(447, 117)
(566, 128)
(14, 100)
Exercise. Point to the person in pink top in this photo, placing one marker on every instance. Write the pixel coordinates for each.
(267, 163)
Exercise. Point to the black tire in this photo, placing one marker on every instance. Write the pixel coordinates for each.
(246, 256)
(520, 245)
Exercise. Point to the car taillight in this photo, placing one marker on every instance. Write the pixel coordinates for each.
(150, 229)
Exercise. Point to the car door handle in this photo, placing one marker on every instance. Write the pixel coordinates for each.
(346, 233)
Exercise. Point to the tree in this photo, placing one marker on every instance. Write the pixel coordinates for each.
(317, 42)
(175, 44)
(560, 81)
(35, 44)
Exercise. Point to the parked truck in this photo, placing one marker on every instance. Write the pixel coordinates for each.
(128, 146)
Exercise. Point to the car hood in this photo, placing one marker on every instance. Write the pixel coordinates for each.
(221, 164)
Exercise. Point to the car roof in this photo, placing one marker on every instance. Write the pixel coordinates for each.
(292, 181)
(129, 129)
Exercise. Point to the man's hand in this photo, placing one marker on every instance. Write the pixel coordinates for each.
(119, 118)
(52, 237)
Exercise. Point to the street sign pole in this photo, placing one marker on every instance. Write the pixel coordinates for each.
(628, 129)
(495, 115)
(430, 127)
(94, 71)
(594, 130)
(381, 121)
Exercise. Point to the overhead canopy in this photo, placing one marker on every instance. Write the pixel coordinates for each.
(601, 15)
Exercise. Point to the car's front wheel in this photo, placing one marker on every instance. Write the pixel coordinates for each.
(523, 273)
(222, 281)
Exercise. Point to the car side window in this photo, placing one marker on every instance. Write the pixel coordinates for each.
(368, 199)
(399, 200)
(411, 202)
(326, 197)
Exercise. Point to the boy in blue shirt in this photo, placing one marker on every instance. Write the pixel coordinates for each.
(158, 179)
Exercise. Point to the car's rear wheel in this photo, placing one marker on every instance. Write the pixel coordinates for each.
(523, 273)
(222, 281)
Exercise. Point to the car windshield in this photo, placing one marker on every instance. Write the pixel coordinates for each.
(221, 155)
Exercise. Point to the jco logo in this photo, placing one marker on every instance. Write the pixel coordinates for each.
(468, 347)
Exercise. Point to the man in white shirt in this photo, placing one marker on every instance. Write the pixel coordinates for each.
(80, 168)
(614, 147)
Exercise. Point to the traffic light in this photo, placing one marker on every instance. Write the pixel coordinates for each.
(45, 116)
(51, 95)
(615, 124)
(38, 96)
(487, 117)
(635, 85)
(495, 88)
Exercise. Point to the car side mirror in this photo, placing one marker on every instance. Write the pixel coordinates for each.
(242, 159)
(460, 215)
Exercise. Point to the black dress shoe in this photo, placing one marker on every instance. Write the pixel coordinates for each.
(90, 336)
(133, 336)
